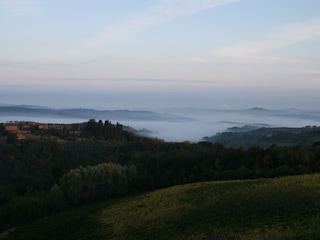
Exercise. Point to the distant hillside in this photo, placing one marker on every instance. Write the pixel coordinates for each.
(281, 208)
(81, 113)
(265, 137)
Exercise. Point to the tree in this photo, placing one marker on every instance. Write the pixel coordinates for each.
(86, 184)
(12, 138)
(3, 130)
(72, 185)
(55, 199)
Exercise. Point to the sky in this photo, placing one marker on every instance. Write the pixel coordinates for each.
(147, 54)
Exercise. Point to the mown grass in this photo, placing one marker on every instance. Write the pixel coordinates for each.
(282, 208)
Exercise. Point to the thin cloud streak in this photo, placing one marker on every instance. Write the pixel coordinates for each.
(196, 60)
(22, 7)
(310, 72)
(175, 8)
(139, 80)
(281, 37)
(33, 65)
(258, 60)
(163, 11)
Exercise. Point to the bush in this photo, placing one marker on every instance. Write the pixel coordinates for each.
(23, 209)
(86, 184)
(56, 200)
(7, 192)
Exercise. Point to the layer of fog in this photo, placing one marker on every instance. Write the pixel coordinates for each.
(204, 122)
(199, 123)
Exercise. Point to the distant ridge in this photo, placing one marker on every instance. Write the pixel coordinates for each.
(266, 136)
(82, 113)
(258, 109)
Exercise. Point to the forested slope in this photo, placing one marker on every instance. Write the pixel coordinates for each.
(246, 137)
(63, 169)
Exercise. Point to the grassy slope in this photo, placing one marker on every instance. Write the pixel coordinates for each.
(283, 208)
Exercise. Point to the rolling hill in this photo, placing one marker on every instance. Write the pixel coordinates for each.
(84, 114)
(280, 208)
(265, 137)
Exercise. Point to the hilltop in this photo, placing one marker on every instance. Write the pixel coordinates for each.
(83, 113)
(281, 208)
(248, 136)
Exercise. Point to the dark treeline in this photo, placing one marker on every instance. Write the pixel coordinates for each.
(165, 164)
(92, 129)
(42, 176)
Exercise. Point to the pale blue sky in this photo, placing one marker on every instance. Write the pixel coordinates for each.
(160, 53)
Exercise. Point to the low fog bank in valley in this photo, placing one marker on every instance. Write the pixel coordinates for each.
(173, 125)
(200, 123)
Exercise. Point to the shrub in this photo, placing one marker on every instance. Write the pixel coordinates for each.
(56, 200)
(86, 184)
(22, 209)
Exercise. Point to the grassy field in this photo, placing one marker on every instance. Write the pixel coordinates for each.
(282, 208)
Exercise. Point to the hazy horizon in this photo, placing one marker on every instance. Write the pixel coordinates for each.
(160, 101)
(159, 54)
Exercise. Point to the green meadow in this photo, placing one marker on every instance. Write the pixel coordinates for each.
(278, 208)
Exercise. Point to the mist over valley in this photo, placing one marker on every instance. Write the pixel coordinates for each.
(172, 125)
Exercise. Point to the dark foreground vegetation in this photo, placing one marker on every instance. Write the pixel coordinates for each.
(285, 208)
(51, 171)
